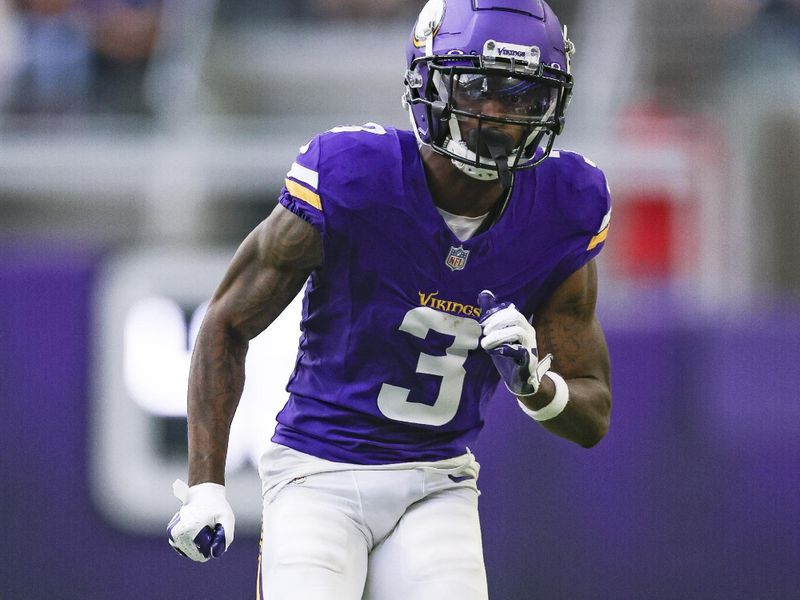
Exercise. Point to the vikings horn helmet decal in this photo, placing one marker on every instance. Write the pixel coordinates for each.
(488, 82)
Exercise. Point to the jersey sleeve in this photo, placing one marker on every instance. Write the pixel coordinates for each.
(599, 214)
(585, 202)
(339, 176)
(301, 187)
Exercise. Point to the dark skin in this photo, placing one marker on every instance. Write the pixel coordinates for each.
(567, 327)
(267, 272)
(274, 261)
(456, 192)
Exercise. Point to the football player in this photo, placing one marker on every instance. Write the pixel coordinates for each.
(438, 263)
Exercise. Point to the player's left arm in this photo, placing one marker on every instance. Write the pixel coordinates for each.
(567, 327)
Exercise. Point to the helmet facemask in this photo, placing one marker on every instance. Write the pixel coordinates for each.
(496, 120)
(467, 104)
(474, 104)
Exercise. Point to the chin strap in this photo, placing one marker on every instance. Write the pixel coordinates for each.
(498, 145)
(499, 151)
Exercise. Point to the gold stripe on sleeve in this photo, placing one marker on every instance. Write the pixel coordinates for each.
(303, 193)
(598, 239)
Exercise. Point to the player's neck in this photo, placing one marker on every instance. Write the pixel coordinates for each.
(454, 191)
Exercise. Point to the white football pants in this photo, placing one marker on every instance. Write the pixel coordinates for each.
(333, 531)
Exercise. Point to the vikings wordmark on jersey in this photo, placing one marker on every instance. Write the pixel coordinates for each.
(433, 300)
(389, 368)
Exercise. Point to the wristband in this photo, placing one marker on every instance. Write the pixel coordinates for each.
(556, 405)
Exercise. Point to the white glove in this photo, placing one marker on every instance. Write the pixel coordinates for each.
(510, 340)
(203, 527)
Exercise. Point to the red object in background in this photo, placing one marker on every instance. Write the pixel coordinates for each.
(643, 227)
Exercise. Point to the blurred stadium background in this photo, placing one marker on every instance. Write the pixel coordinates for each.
(140, 140)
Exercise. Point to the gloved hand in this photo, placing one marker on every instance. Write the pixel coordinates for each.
(203, 527)
(510, 340)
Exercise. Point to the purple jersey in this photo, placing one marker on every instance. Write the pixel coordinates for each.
(389, 367)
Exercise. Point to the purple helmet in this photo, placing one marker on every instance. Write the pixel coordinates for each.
(480, 69)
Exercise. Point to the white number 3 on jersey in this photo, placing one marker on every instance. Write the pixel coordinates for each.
(393, 400)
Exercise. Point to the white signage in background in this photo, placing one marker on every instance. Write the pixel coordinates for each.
(143, 342)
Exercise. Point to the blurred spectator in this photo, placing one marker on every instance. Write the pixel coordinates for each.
(781, 17)
(364, 9)
(759, 96)
(254, 11)
(124, 36)
(79, 56)
(769, 30)
(10, 48)
(53, 69)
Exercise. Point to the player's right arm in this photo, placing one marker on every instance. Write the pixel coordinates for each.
(267, 271)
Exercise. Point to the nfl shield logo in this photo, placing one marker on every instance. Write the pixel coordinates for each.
(457, 258)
